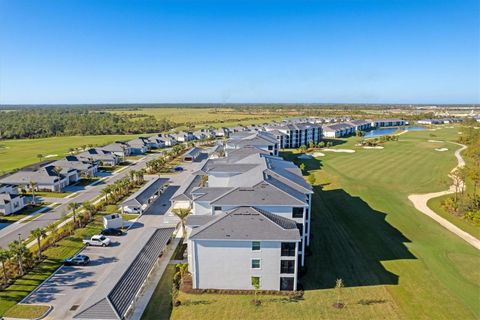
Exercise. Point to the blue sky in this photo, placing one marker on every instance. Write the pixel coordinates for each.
(115, 51)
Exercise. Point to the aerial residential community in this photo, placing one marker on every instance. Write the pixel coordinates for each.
(239, 160)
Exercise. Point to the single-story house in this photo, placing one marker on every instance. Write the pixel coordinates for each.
(121, 149)
(104, 157)
(10, 203)
(82, 165)
(46, 178)
(139, 145)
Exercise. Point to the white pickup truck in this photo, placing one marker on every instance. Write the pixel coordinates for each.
(97, 240)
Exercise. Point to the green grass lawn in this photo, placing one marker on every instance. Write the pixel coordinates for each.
(396, 262)
(26, 311)
(436, 205)
(21, 152)
(159, 306)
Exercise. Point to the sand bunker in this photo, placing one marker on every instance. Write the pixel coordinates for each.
(339, 150)
(436, 141)
(377, 147)
(51, 155)
(441, 149)
(305, 156)
(318, 154)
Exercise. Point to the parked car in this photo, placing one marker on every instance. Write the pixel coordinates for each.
(78, 260)
(97, 240)
(178, 168)
(112, 232)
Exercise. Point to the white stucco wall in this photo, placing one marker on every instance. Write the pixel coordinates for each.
(227, 264)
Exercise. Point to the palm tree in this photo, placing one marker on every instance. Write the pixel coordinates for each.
(57, 171)
(32, 185)
(40, 157)
(106, 191)
(73, 206)
(203, 181)
(18, 250)
(132, 174)
(89, 209)
(182, 214)
(5, 255)
(39, 233)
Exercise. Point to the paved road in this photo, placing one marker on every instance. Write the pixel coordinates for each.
(22, 230)
(420, 203)
(70, 287)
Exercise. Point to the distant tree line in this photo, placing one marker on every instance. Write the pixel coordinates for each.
(48, 122)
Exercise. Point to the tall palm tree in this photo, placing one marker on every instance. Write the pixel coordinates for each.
(73, 206)
(5, 255)
(18, 250)
(89, 209)
(32, 185)
(57, 171)
(38, 234)
(132, 174)
(203, 181)
(182, 214)
(106, 191)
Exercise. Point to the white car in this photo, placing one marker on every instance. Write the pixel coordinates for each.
(97, 240)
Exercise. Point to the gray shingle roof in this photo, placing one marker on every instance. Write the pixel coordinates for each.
(261, 194)
(198, 220)
(247, 223)
(148, 190)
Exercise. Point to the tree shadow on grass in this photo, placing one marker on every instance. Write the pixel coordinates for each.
(349, 241)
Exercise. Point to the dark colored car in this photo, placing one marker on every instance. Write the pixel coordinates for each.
(178, 168)
(112, 232)
(78, 260)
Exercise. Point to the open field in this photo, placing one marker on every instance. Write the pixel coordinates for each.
(396, 263)
(18, 153)
(203, 117)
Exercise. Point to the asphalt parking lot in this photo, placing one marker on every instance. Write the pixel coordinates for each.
(71, 286)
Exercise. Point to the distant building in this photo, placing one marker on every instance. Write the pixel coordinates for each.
(298, 134)
(337, 130)
(259, 139)
(389, 123)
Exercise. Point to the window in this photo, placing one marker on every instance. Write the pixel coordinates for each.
(306, 214)
(217, 208)
(286, 283)
(288, 249)
(255, 245)
(270, 147)
(255, 281)
(255, 263)
(287, 266)
(297, 212)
